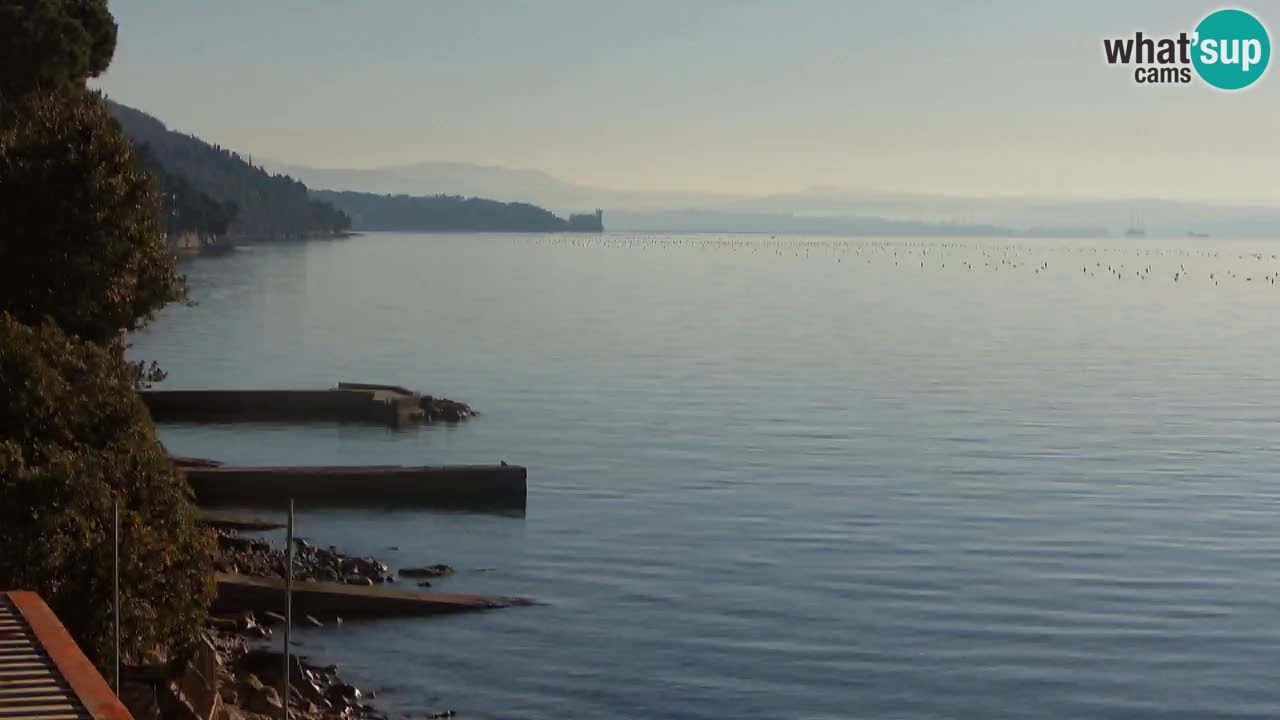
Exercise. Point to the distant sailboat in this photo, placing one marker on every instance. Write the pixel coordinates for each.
(1135, 229)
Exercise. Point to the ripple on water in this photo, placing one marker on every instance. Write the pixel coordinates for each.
(792, 477)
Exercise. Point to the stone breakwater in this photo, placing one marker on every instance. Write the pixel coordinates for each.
(486, 487)
(348, 402)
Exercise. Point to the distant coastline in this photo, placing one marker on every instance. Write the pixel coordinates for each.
(452, 213)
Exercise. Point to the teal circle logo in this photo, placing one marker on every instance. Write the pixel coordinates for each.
(1231, 49)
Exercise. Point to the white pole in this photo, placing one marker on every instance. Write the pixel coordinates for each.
(288, 612)
(115, 604)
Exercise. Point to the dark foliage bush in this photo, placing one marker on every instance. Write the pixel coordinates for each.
(52, 44)
(81, 261)
(73, 436)
(80, 239)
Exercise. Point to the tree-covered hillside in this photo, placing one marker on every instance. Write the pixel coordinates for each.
(183, 208)
(208, 186)
(267, 206)
(370, 211)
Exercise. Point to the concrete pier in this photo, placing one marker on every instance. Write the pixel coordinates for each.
(471, 486)
(235, 521)
(349, 402)
(237, 593)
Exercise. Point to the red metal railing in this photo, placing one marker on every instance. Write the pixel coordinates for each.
(43, 674)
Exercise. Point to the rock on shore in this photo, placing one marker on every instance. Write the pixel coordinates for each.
(256, 557)
(444, 410)
(233, 674)
(248, 682)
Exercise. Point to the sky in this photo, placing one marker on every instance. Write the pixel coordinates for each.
(962, 97)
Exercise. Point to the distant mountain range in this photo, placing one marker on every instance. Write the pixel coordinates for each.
(437, 178)
(818, 209)
(276, 199)
(491, 181)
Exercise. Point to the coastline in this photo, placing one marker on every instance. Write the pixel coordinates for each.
(236, 669)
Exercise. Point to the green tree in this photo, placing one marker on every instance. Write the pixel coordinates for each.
(80, 242)
(81, 261)
(51, 44)
(73, 436)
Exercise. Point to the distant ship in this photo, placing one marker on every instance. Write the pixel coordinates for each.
(1194, 234)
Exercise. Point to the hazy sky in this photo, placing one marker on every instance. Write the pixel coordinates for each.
(962, 97)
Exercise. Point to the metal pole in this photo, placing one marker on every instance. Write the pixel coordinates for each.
(115, 604)
(288, 611)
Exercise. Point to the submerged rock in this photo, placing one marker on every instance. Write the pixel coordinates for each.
(426, 571)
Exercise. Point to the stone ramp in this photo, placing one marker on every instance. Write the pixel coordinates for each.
(237, 593)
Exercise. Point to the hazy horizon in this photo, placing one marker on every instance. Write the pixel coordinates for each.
(1005, 99)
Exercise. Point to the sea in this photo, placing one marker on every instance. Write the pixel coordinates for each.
(788, 477)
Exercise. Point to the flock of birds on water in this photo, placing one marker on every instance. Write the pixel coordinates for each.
(1209, 264)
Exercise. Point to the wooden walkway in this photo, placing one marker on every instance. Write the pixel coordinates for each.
(43, 674)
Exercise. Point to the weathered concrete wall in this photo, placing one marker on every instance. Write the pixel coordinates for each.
(350, 405)
(476, 486)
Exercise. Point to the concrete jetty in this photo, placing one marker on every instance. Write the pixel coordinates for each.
(238, 522)
(349, 402)
(237, 593)
(475, 486)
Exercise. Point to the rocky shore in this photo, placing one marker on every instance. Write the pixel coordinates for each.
(236, 669)
(249, 556)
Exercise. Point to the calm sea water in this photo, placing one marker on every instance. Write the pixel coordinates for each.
(792, 477)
